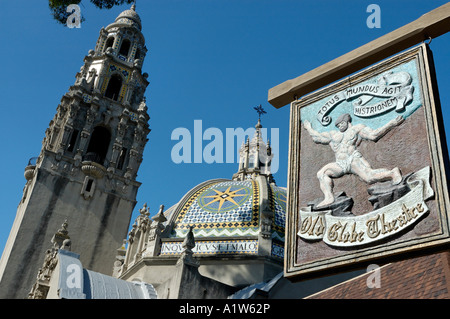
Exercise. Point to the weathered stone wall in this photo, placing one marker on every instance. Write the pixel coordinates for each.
(96, 227)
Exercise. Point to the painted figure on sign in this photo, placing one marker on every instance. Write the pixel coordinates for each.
(349, 160)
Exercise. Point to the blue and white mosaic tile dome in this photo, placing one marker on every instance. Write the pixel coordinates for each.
(245, 215)
(229, 208)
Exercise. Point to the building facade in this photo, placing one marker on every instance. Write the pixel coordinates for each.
(225, 238)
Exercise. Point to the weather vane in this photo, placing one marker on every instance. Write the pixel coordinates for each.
(260, 110)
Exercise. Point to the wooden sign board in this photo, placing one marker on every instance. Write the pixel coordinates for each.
(367, 167)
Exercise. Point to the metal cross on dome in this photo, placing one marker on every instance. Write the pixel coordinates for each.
(260, 110)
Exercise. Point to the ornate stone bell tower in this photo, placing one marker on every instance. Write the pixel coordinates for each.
(86, 170)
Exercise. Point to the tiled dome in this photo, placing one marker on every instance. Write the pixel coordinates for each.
(229, 208)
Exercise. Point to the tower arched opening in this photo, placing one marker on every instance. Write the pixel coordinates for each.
(98, 145)
(125, 47)
(114, 86)
(109, 43)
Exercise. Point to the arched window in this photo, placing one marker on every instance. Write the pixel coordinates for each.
(114, 86)
(109, 43)
(98, 145)
(137, 55)
(251, 161)
(125, 47)
(122, 157)
(73, 140)
(241, 162)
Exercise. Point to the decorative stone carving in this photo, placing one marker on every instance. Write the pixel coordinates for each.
(341, 206)
(385, 193)
(29, 172)
(107, 116)
(88, 84)
(187, 255)
(137, 237)
(266, 229)
(155, 232)
(73, 110)
(122, 126)
(90, 116)
(78, 158)
(157, 226)
(120, 259)
(60, 240)
(349, 160)
(93, 169)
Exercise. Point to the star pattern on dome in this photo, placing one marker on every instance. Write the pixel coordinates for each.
(222, 197)
(202, 213)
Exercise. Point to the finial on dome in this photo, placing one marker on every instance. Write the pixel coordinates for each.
(133, 6)
(260, 110)
(255, 156)
(258, 125)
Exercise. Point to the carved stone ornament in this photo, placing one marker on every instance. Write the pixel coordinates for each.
(29, 172)
(187, 255)
(93, 169)
(60, 240)
(266, 229)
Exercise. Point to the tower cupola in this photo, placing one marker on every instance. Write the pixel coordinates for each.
(255, 157)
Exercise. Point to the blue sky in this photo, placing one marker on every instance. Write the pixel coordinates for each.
(208, 60)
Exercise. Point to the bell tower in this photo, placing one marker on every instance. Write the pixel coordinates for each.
(86, 171)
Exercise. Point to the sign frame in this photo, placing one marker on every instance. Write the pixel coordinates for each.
(295, 267)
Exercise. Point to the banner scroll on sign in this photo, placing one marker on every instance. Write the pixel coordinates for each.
(395, 87)
(374, 226)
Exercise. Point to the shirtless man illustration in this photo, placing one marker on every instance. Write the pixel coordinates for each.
(348, 159)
